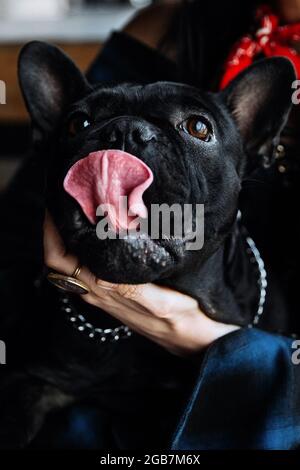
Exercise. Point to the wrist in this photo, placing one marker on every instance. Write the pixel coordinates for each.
(209, 330)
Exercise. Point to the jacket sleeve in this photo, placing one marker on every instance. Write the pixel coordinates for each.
(246, 397)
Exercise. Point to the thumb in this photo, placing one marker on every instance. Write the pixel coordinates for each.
(55, 254)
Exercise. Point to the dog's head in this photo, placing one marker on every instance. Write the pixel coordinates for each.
(161, 143)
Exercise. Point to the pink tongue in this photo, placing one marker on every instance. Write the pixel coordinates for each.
(102, 178)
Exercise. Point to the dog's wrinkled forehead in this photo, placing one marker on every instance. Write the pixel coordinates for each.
(160, 99)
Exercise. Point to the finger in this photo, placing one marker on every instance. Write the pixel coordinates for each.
(127, 294)
(55, 255)
(133, 317)
(159, 301)
(118, 307)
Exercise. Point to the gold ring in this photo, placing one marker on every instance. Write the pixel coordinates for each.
(69, 284)
(77, 272)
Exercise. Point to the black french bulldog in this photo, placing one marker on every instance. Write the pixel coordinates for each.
(199, 147)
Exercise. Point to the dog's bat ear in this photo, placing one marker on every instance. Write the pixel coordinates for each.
(260, 99)
(49, 81)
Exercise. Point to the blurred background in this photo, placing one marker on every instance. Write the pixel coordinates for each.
(79, 27)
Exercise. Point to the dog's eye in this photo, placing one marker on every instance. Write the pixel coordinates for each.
(198, 128)
(78, 123)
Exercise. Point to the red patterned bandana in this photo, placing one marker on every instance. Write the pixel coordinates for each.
(269, 40)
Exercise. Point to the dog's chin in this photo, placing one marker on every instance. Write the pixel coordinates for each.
(131, 260)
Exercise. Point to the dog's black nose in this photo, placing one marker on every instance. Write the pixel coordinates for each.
(128, 131)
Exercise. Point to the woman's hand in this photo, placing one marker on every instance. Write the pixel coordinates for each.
(163, 315)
